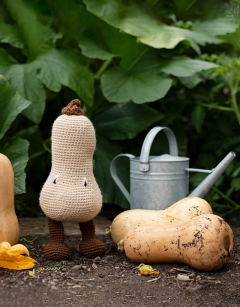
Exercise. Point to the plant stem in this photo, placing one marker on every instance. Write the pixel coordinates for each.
(229, 212)
(234, 104)
(103, 67)
(236, 206)
(217, 107)
(227, 198)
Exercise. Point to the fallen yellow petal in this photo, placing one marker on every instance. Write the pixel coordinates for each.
(14, 257)
(4, 246)
(145, 269)
(18, 249)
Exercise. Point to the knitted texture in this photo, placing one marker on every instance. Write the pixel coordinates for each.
(73, 108)
(89, 246)
(56, 250)
(70, 192)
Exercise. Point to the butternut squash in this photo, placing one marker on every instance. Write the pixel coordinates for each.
(205, 243)
(181, 211)
(9, 227)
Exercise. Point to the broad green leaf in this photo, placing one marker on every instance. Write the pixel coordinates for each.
(23, 79)
(104, 154)
(64, 67)
(10, 34)
(209, 31)
(183, 66)
(11, 104)
(179, 66)
(198, 115)
(16, 149)
(134, 19)
(104, 43)
(83, 25)
(37, 37)
(125, 121)
(93, 49)
(140, 87)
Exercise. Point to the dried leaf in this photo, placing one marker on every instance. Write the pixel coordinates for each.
(15, 257)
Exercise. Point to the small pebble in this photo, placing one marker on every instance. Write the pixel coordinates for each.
(183, 277)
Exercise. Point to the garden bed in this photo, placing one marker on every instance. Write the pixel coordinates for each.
(113, 280)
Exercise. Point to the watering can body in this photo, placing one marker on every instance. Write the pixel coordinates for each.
(164, 183)
(157, 182)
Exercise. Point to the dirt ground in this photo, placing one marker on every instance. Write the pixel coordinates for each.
(113, 280)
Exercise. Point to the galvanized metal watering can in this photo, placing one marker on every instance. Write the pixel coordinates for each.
(157, 182)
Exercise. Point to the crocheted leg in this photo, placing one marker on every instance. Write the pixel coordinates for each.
(56, 249)
(90, 247)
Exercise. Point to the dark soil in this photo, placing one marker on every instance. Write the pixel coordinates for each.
(115, 281)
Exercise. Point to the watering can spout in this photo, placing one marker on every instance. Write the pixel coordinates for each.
(209, 181)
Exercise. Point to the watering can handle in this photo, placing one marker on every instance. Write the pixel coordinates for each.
(144, 163)
(116, 178)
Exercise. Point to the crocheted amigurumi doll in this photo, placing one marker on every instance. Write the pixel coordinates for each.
(71, 193)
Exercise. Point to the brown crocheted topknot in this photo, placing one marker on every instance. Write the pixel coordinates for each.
(73, 108)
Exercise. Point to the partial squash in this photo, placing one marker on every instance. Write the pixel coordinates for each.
(9, 227)
(182, 211)
(205, 243)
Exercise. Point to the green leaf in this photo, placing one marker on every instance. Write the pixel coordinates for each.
(10, 34)
(134, 19)
(125, 121)
(93, 49)
(5, 60)
(47, 145)
(104, 154)
(11, 104)
(33, 136)
(83, 25)
(209, 31)
(23, 79)
(16, 150)
(37, 37)
(235, 184)
(198, 115)
(191, 82)
(104, 43)
(183, 66)
(64, 67)
(140, 87)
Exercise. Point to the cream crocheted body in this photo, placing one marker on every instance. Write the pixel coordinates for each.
(70, 192)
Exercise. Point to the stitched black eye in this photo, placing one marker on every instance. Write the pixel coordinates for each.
(85, 182)
(55, 179)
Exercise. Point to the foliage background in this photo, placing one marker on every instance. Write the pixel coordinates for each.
(134, 65)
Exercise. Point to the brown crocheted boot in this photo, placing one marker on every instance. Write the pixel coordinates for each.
(90, 247)
(56, 249)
